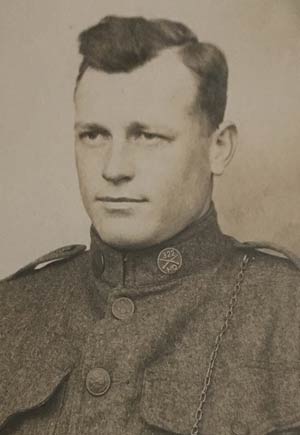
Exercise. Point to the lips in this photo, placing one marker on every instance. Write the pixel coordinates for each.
(120, 199)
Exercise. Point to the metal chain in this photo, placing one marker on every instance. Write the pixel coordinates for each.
(207, 381)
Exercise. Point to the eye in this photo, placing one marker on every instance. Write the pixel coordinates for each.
(92, 137)
(89, 134)
(150, 136)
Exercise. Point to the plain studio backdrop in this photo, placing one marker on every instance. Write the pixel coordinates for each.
(257, 198)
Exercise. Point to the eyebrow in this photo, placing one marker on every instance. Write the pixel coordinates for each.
(133, 127)
(136, 127)
(92, 126)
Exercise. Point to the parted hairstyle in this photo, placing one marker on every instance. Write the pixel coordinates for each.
(121, 44)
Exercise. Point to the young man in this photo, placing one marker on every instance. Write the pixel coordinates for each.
(165, 325)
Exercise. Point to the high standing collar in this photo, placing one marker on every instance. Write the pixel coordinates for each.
(197, 248)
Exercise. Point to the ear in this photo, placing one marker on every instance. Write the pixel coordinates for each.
(223, 145)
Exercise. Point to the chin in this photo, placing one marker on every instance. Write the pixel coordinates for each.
(122, 236)
(124, 241)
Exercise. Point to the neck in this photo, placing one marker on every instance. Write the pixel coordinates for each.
(197, 247)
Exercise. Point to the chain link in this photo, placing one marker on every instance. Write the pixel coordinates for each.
(208, 378)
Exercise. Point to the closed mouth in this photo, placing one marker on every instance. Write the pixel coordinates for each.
(120, 199)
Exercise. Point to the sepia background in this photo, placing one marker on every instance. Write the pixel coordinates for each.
(257, 198)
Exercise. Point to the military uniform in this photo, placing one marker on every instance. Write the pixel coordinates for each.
(105, 342)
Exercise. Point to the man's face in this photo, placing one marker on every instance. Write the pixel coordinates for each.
(142, 154)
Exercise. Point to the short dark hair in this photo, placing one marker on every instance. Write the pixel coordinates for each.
(121, 44)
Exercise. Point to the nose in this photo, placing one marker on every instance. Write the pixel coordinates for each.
(118, 163)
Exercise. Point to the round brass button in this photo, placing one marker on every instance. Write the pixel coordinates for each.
(123, 308)
(97, 381)
(169, 260)
(239, 428)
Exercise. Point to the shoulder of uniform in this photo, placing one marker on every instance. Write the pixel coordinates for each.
(274, 250)
(60, 254)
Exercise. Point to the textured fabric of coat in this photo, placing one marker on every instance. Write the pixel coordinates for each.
(57, 324)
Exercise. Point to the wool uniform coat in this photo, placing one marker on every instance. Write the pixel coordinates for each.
(105, 342)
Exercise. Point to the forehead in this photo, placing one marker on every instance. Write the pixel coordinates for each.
(163, 89)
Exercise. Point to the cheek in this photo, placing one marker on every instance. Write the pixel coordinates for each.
(175, 169)
(159, 172)
(184, 182)
(88, 170)
(197, 168)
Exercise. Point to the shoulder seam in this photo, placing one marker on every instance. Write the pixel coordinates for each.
(276, 250)
(60, 254)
